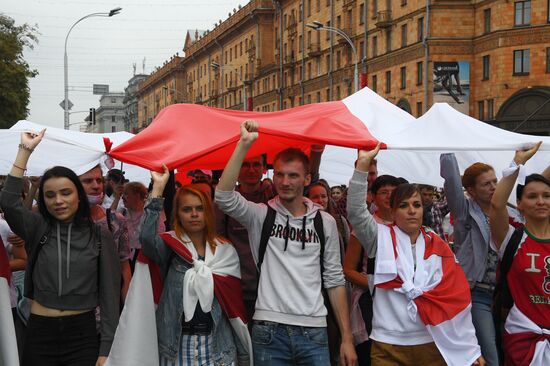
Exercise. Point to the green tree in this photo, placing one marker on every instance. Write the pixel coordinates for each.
(14, 70)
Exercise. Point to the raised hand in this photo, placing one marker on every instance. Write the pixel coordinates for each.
(159, 180)
(522, 156)
(364, 157)
(30, 140)
(249, 132)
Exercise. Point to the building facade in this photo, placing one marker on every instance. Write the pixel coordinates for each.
(131, 103)
(109, 117)
(163, 87)
(488, 58)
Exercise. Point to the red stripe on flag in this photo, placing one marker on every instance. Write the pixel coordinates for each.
(452, 294)
(229, 293)
(176, 137)
(519, 348)
(5, 270)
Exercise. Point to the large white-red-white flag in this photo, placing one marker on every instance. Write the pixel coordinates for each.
(8, 343)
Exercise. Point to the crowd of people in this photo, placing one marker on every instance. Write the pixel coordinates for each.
(383, 272)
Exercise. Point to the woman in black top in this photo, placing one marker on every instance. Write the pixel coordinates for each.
(72, 267)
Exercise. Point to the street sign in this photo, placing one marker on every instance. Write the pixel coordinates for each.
(62, 104)
(100, 89)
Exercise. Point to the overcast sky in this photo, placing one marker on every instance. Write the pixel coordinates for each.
(102, 50)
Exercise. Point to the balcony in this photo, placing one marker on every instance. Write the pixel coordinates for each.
(248, 77)
(314, 49)
(383, 19)
(289, 60)
(349, 2)
(233, 85)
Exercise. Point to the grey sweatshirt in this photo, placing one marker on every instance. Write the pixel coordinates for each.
(65, 274)
(289, 291)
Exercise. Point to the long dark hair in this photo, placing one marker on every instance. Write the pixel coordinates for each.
(83, 215)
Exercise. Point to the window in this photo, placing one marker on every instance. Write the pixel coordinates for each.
(309, 12)
(328, 33)
(403, 2)
(113, 100)
(374, 8)
(486, 63)
(113, 119)
(420, 30)
(337, 93)
(338, 57)
(403, 77)
(318, 5)
(487, 20)
(328, 63)
(362, 14)
(113, 128)
(374, 46)
(318, 97)
(419, 73)
(388, 41)
(490, 109)
(522, 60)
(328, 94)
(418, 109)
(339, 21)
(374, 83)
(522, 13)
(548, 60)
(480, 108)
(388, 81)
(404, 35)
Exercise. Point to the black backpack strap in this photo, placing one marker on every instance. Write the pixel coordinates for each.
(506, 264)
(502, 298)
(320, 230)
(267, 226)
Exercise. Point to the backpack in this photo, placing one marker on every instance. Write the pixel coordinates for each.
(502, 298)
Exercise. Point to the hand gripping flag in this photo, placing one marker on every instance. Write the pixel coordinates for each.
(440, 294)
(135, 340)
(8, 343)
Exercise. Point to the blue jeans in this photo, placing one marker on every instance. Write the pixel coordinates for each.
(278, 344)
(482, 317)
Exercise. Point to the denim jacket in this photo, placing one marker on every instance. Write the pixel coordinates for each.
(471, 230)
(226, 346)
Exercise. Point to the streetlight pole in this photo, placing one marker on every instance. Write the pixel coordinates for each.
(114, 11)
(316, 25)
(216, 65)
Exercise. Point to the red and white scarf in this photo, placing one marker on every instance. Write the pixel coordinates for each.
(525, 343)
(437, 290)
(218, 275)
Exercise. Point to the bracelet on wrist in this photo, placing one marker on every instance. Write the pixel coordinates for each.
(21, 168)
(22, 146)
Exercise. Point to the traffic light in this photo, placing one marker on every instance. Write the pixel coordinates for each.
(92, 115)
